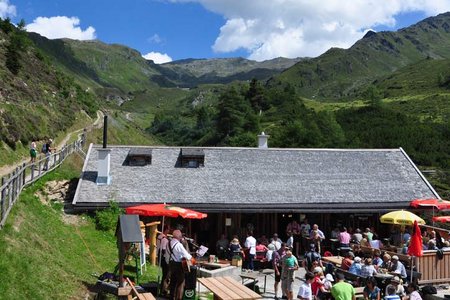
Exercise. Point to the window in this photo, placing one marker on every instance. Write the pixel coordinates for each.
(139, 157)
(192, 158)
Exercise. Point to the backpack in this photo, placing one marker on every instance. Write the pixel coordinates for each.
(44, 148)
(311, 257)
(429, 290)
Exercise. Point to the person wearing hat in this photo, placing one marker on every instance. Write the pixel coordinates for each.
(235, 247)
(397, 267)
(342, 290)
(325, 289)
(396, 283)
(356, 266)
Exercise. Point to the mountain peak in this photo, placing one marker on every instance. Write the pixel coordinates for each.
(369, 33)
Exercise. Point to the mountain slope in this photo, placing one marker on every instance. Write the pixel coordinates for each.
(338, 72)
(36, 101)
(192, 72)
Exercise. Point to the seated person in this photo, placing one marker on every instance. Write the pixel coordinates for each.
(235, 248)
(397, 287)
(356, 266)
(347, 261)
(260, 251)
(397, 267)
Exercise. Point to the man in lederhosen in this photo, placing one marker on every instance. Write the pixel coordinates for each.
(177, 276)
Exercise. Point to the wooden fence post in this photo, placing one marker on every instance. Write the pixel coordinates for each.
(33, 165)
(40, 167)
(24, 175)
(3, 200)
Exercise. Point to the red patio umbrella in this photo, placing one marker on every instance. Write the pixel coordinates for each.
(434, 203)
(164, 210)
(442, 219)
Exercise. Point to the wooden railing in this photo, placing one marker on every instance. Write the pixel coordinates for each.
(13, 184)
(433, 269)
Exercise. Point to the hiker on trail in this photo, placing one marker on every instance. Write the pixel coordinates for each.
(47, 150)
(33, 152)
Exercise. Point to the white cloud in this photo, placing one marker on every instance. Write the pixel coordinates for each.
(61, 27)
(297, 28)
(156, 39)
(6, 9)
(158, 58)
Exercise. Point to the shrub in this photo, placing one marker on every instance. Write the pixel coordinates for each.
(106, 219)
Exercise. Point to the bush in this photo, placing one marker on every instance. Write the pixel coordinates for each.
(106, 219)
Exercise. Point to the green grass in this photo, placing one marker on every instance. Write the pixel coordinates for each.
(45, 258)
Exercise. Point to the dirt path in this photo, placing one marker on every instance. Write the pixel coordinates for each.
(5, 170)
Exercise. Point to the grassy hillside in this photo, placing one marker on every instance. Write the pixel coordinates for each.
(338, 72)
(36, 101)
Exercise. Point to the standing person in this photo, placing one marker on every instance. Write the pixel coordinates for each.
(295, 229)
(344, 237)
(317, 236)
(250, 244)
(305, 230)
(289, 265)
(162, 243)
(276, 265)
(305, 293)
(290, 240)
(222, 247)
(33, 152)
(177, 254)
(342, 290)
(369, 234)
(47, 150)
(312, 259)
(276, 241)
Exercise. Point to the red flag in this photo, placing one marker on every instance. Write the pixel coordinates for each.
(415, 245)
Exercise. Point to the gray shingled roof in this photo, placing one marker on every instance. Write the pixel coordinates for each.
(252, 179)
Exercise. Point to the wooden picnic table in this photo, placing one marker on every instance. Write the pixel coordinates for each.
(226, 288)
(335, 260)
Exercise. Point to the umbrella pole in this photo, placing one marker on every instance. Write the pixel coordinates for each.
(412, 267)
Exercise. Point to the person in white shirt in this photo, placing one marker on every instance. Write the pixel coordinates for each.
(250, 244)
(305, 292)
(177, 254)
(276, 241)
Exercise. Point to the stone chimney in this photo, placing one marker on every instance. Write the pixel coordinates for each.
(262, 141)
(104, 159)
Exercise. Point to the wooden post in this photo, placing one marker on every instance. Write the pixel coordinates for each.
(153, 233)
(33, 165)
(3, 199)
(24, 174)
(40, 167)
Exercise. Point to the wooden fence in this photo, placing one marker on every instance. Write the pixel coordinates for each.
(13, 184)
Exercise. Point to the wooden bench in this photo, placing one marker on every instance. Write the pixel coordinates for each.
(226, 288)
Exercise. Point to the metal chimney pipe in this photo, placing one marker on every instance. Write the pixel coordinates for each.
(105, 131)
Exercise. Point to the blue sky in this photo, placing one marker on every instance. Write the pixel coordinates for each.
(165, 30)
